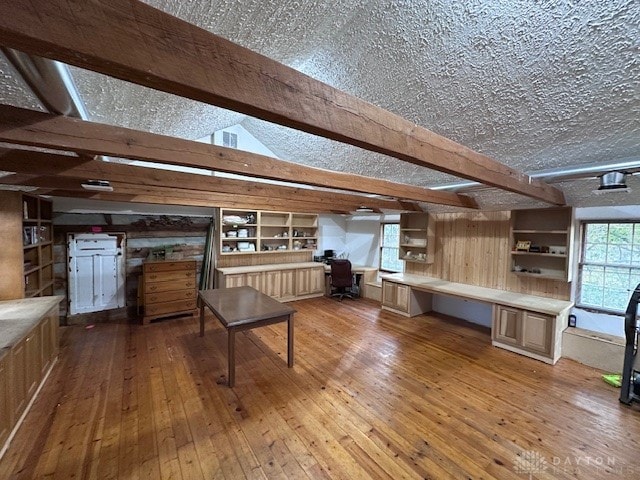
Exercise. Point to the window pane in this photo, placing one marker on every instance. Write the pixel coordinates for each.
(595, 252)
(390, 234)
(389, 248)
(619, 253)
(616, 277)
(635, 256)
(592, 295)
(620, 233)
(596, 233)
(611, 265)
(616, 299)
(593, 275)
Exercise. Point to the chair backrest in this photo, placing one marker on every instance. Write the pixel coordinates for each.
(341, 275)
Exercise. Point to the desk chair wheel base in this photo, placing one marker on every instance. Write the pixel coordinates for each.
(341, 295)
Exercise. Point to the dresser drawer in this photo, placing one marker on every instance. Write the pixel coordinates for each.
(169, 307)
(169, 266)
(171, 296)
(169, 276)
(183, 284)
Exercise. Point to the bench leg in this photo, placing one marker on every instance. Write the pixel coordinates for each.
(231, 354)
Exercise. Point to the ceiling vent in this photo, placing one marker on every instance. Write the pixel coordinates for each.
(613, 181)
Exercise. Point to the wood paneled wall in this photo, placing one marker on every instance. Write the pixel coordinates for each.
(474, 248)
(245, 260)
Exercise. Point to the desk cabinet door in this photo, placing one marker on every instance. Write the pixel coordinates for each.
(395, 296)
(309, 281)
(18, 378)
(507, 326)
(317, 280)
(389, 294)
(6, 422)
(536, 332)
(402, 298)
(272, 283)
(253, 279)
(237, 280)
(288, 283)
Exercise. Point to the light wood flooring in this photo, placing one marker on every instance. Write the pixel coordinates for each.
(372, 395)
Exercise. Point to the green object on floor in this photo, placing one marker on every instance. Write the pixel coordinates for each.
(614, 379)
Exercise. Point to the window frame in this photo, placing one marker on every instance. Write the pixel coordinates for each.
(382, 247)
(582, 263)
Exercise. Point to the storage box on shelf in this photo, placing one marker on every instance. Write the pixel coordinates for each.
(251, 232)
(541, 242)
(417, 234)
(27, 239)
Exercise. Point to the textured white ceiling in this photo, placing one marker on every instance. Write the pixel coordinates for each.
(535, 85)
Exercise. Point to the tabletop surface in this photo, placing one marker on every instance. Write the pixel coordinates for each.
(241, 305)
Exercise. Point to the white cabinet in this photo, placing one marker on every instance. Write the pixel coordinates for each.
(530, 333)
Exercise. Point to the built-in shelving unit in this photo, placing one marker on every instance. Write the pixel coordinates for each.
(417, 234)
(255, 231)
(541, 243)
(27, 238)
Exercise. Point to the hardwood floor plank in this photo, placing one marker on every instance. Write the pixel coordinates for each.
(372, 395)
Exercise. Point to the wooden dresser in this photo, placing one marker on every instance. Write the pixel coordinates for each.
(169, 288)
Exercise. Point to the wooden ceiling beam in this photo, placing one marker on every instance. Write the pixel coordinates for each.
(51, 164)
(169, 196)
(28, 127)
(130, 40)
(210, 199)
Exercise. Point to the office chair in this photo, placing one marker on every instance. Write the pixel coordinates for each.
(341, 279)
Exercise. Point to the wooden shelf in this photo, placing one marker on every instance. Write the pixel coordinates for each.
(25, 216)
(264, 231)
(417, 233)
(540, 254)
(542, 232)
(558, 276)
(543, 227)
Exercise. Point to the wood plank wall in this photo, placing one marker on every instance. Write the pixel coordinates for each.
(244, 260)
(474, 248)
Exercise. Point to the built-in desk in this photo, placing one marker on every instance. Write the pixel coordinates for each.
(526, 324)
(363, 275)
(28, 351)
(282, 281)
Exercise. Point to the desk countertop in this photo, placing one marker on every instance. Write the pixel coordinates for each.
(17, 317)
(268, 268)
(550, 306)
(355, 269)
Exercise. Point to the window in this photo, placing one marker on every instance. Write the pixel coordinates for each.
(229, 140)
(609, 265)
(389, 247)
